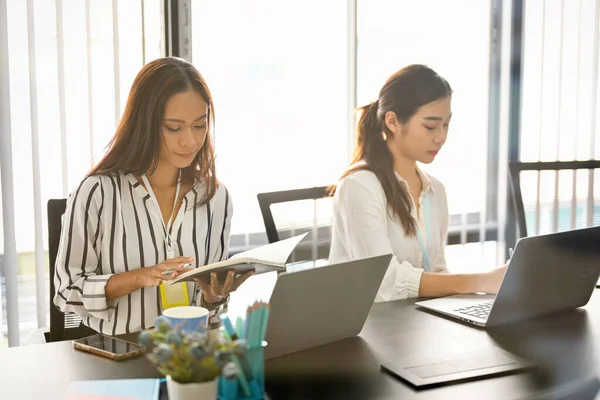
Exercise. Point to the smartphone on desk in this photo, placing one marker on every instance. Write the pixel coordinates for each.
(109, 347)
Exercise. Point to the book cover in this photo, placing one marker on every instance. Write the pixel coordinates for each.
(114, 389)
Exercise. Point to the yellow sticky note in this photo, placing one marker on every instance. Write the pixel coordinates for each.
(174, 295)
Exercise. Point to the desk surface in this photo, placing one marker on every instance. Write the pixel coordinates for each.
(563, 345)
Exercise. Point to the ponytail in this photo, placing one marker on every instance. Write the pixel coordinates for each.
(372, 154)
(368, 130)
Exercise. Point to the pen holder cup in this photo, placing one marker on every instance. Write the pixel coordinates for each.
(250, 382)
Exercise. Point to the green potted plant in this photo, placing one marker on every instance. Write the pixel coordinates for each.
(191, 360)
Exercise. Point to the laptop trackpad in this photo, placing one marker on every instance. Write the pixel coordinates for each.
(423, 371)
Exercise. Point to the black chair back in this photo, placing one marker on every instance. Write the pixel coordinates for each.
(302, 216)
(63, 326)
(515, 170)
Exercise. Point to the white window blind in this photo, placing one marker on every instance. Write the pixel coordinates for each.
(561, 113)
(69, 67)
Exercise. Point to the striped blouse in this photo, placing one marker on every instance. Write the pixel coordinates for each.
(111, 226)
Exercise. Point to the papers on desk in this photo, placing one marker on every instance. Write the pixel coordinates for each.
(115, 389)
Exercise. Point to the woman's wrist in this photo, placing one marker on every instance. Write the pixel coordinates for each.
(471, 283)
(212, 299)
(215, 309)
(122, 284)
(135, 278)
(214, 303)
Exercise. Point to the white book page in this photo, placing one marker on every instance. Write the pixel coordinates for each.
(261, 259)
(275, 253)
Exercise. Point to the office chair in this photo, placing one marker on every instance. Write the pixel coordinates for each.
(63, 326)
(299, 211)
(515, 170)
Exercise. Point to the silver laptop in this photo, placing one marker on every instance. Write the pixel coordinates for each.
(546, 274)
(316, 306)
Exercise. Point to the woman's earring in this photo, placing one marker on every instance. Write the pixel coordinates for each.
(384, 136)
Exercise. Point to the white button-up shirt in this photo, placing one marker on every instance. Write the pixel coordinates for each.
(363, 227)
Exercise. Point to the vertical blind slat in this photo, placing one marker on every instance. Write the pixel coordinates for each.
(60, 48)
(143, 32)
(574, 200)
(558, 116)
(88, 40)
(576, 122)
(8, 199)
(352, 71)
(40, 267)
(594, 103)
(463, 228)
(117, 74)
(315, 233)
(541, 97)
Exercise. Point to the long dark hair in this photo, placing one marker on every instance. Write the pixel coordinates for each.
(135, 146)
(404, 93)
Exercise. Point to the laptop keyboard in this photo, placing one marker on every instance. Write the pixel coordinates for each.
(481, 310)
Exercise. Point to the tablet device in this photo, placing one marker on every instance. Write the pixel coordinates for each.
(423, 371)
(109, 347)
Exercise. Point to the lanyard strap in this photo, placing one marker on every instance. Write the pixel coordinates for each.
(166, 228)
(422, 244)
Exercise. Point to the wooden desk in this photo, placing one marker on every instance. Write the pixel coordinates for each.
(44, 371)
(564, 346)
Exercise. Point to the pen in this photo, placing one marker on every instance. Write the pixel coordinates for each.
(170, 271)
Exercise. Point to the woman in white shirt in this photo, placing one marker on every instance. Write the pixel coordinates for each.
(385, 204)
(152, 205)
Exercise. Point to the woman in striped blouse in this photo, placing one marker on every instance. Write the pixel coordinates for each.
(152, 205)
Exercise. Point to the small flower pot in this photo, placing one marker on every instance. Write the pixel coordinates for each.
(192, 391)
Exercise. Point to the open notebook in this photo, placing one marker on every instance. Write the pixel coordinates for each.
(271, 257)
